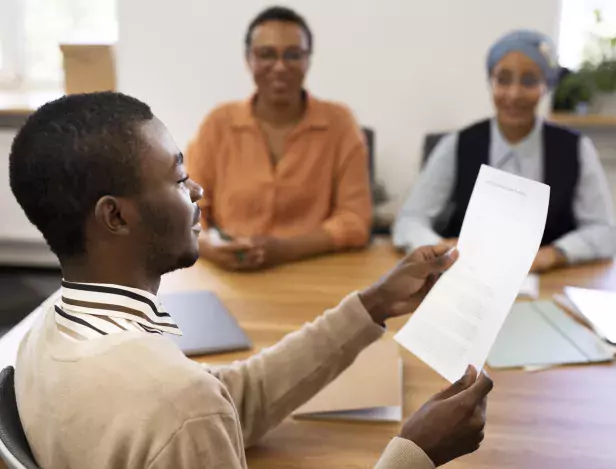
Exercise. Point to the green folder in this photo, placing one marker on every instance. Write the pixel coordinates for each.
(540, 333)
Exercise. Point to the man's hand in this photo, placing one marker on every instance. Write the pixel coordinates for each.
(451, 242)
(451, 424)
(405, 287)
(230, 255)
(548, 258)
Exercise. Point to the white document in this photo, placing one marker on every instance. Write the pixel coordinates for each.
(459, 320)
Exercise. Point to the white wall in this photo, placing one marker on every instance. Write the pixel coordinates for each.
(405, 67)
(18, 226)
(20, 241)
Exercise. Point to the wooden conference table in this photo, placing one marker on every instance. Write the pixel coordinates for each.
(559, 418)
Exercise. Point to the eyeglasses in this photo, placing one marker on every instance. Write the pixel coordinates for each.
(269, 56)
(507, 79)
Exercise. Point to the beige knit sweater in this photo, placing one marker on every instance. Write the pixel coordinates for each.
(133, 400)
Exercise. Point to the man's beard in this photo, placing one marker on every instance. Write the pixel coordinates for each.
(161, 248)
(160, 261)
(185, 261)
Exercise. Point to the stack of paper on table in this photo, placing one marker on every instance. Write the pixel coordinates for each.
(370, 389)
(530, 287)
(459, 320)
(540, 334)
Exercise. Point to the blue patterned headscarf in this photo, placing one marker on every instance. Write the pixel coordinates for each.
(535, 45)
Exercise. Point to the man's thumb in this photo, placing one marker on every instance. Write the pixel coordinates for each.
(465, 382)
(478, 390)
(439, 264)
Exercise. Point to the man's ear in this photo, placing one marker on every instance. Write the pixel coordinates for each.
(110, 213)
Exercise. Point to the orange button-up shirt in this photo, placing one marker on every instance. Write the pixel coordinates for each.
(321, 181)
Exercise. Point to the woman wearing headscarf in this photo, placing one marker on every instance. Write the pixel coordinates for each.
(522, 66)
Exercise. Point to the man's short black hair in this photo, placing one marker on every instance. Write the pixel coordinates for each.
(278, 13)
(69, 154)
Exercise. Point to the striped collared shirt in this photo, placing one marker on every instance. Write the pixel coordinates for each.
(88, 310)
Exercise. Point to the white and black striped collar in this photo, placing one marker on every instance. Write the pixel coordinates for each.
(87, 310)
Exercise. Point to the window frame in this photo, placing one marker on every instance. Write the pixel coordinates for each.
(575, 23)
(17, 65)
(13, 43)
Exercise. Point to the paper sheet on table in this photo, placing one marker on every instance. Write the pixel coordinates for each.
(597, 308)
(368, 390)
(459, 320)
(571, 307)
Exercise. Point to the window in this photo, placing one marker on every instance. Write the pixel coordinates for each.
(578, 24)
(32, 30)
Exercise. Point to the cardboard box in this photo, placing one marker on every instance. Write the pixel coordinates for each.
(88, 68)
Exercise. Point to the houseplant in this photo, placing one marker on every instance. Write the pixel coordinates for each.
(600, 66)
(574, 93)
(592, 88)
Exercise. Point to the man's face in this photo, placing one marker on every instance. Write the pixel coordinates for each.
(169, 216)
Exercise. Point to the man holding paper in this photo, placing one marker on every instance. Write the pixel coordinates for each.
(96, 382)
(460, 318)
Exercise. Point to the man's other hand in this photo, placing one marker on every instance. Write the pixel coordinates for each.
(451, 424)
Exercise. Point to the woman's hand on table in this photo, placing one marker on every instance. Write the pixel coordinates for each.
(260, 252)
(548, 258)
(232, 255)
(272, 251)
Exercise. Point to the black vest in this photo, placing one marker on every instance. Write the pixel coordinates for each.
(561, 169)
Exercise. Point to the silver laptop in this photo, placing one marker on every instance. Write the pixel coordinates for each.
(207, 326)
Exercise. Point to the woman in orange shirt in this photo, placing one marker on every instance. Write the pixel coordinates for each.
(285, 174)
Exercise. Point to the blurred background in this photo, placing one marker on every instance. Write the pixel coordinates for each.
(407, 68)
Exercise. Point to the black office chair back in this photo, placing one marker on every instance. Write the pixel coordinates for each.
(11, 432)
(369, 135)
(430, 142)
